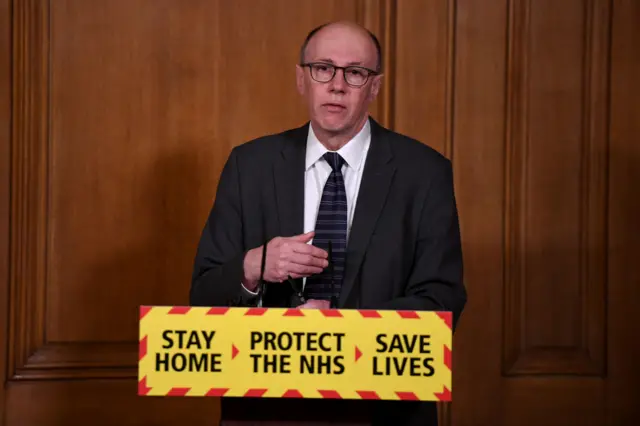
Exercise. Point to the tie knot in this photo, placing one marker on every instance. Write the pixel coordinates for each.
(335, 160)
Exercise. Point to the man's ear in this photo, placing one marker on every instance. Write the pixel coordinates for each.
(375, 87)
(300, 79)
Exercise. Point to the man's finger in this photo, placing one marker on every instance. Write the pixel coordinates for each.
(303, 238)
(309, 249)
(296, 268)
(308, 260)
(315, 304)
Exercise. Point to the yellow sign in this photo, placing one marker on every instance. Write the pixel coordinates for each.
(295, 353)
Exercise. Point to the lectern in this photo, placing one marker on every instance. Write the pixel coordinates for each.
(291, 366)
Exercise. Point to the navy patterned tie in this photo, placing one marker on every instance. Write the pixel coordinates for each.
(331, 225)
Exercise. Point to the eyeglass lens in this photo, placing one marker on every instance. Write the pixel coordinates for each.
(353, 75)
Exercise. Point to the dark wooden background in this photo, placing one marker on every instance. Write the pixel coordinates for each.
(116, 117)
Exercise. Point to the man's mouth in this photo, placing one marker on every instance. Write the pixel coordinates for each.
(334, 107)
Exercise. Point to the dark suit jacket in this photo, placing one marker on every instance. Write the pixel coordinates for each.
(404, 249)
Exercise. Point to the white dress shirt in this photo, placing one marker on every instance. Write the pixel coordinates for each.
(317, 171)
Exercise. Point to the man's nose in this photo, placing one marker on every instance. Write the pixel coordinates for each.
(338, 84)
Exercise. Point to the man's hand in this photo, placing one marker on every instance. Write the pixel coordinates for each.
(290, 256)
(315, 304)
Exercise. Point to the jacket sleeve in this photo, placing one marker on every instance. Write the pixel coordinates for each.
(435, 282)
(219, 261)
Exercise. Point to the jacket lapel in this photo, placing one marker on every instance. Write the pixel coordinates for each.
(288, 174)
(376, 181)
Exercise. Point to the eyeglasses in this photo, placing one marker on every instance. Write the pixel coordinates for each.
(353, 75)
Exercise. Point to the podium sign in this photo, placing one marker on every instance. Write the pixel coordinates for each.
(295, 353)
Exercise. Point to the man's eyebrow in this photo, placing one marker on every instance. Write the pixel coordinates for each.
(330, 61)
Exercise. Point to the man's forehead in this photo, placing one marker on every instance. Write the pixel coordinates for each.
(342, 44)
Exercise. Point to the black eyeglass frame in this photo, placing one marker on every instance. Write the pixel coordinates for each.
(335, 68)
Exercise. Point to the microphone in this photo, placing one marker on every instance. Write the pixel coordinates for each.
(334, 302)
(262, 288)
(261, 284)
(298, 291)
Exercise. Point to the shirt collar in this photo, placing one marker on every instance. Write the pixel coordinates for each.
(352, 152)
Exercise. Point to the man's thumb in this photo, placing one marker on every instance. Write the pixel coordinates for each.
(303, 238)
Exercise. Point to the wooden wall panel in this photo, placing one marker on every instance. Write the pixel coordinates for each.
(5, 185)
(423, 65)
(102, 403)
(379, 17)
(556, 187)
(479, 163)
(123, 116)
(139, 133)
(198, 80)
(623, 327)
(28, 182)
(529, 142)
(419, 95)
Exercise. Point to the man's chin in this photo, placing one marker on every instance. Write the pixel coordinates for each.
(333, 126)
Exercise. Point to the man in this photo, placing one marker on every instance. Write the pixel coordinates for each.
(385, 201)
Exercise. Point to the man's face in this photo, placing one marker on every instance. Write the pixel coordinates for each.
(336, 107)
